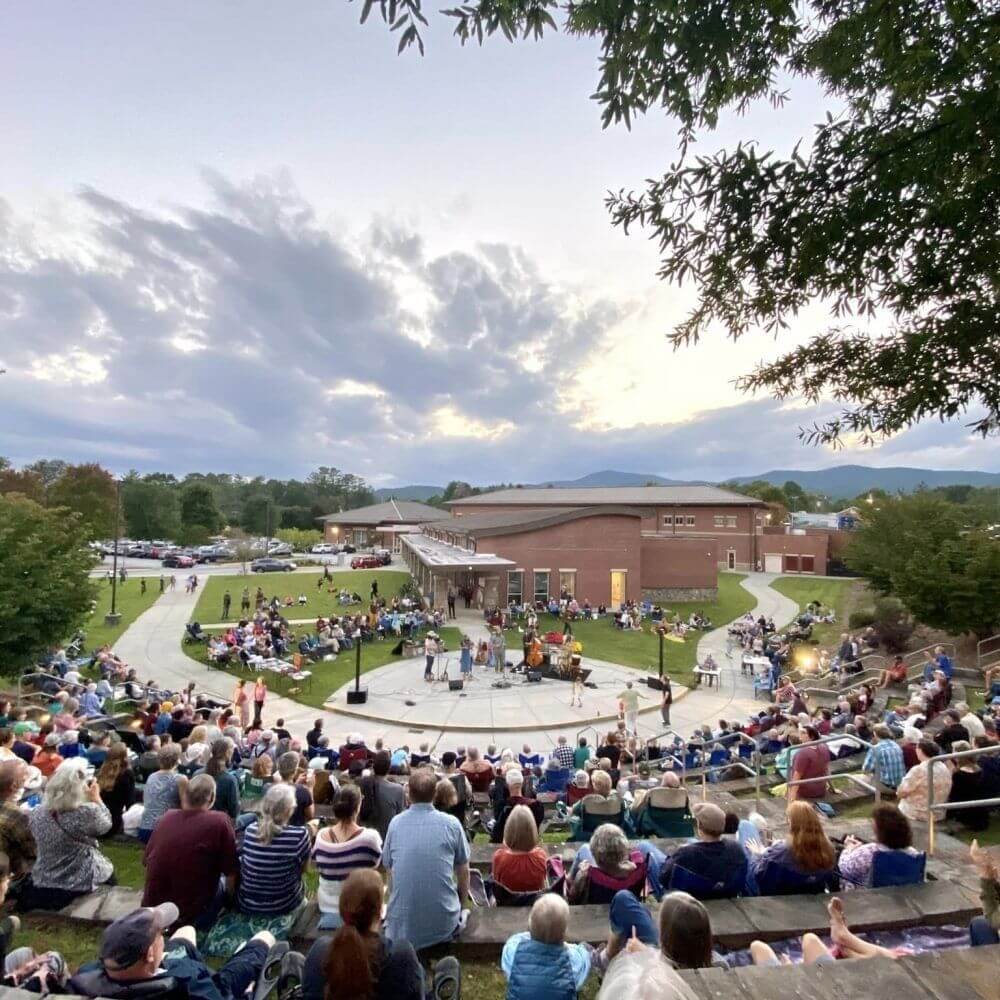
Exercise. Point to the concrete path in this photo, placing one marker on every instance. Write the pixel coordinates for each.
(152, 644)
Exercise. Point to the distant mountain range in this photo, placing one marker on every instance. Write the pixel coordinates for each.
(838, 481)
(852, 480)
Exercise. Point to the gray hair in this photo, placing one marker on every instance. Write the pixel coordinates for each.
(169, 756)
(609, 846)
(65, 789)
(288, 764)
(275, 812)
(201, 791)
(71, 705)
(548, 919)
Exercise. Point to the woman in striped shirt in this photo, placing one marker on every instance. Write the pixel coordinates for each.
(340, 849)
(272, 858)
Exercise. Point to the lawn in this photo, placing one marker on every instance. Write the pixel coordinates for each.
(130, 603)
(841, 595)
(328, 675)
(641, 649)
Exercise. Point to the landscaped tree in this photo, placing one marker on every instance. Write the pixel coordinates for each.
(90, 491)
(23, 481)
(45, 590)
(150, 509)
(920, 549)
(261, 513)
(198, 507)
(887, 211)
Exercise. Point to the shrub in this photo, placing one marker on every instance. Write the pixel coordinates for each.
(861, 619)
(893, 624)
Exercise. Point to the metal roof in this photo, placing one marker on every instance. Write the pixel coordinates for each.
(390, 512)
(585, 496)
(510, 522)
(437, 554)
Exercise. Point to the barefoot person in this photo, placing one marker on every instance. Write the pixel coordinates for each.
(845, 944)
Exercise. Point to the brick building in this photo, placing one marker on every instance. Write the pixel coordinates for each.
(379, 524)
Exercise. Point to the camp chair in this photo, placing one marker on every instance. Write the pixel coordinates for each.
(896, 868)
(595, 810)
(702, 888)
(502, 896)
(194, 633)
(602, 888)
(665, 814)
(692, 760)
(781, 880)
(555, 780)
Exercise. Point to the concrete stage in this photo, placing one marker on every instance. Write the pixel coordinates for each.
(398, 694)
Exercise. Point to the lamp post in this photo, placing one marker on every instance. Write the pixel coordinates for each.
(113, 617)
(659, 634)
(359, 695)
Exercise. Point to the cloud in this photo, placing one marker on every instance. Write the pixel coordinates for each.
(246, 336)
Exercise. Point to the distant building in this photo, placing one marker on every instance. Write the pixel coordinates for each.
(378, 525)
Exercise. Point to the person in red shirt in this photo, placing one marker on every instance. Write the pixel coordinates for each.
(48, 758)
(520, 863)
(809, 762)
(191, 857)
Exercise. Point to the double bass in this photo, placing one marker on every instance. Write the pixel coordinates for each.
(534, 657)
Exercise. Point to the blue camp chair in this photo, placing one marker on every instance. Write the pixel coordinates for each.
(781, 880)
(554, 781)
(745, 751)
(682, 880)
(692, 760)
(896, 868)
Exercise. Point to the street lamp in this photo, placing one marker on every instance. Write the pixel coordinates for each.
(359, 695)
(113, 617)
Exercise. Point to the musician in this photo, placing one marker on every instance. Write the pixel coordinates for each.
(576, 675)
(534, 655)
(431, 649)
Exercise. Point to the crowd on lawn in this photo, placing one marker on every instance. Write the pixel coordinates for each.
(228, 819)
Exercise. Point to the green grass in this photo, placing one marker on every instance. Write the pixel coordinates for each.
(328, 676)
(641, 649)
(129, 602)
(209, 606)
(830, 591)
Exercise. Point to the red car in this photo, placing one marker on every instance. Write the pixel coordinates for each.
(366, 562)
(175, 560)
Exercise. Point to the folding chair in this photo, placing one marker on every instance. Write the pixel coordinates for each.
(702, 888)
(896, 868)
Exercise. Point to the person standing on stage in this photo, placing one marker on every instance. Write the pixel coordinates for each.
(465, 662)
(498, 650)
(629, 699)
(451, 600)
(576, 673)
(668, 700)
(430, 651)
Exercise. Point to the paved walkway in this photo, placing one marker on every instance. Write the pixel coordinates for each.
(152, 644)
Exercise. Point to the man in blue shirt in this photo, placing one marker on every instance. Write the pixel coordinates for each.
(427, 858)
(943, 661)
(90, 703)
(884, 761)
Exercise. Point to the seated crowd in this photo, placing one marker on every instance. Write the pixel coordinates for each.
(228, 811)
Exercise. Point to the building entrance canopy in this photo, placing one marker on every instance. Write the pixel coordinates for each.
(443, 557)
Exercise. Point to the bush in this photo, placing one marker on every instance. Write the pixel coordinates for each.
(408, 588)
(861, 619)
(300, 539)
(893, 624)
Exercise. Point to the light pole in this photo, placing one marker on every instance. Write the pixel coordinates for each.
(359, 695)
(659, 633)
(113, 617)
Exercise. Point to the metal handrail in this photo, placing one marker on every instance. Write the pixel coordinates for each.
(961, 755)
(924, 649)
(982, 653)
(858, 777)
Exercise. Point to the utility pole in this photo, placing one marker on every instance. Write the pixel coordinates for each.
(113, 618)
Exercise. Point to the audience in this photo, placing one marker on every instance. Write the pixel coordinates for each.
(520, 863)
(163, 790)
(912, 792)
(892, 833)
(806, 851)
(272, 858)
(191, 857)
(538, 963)
(426, 855)
(117, 784)
(16, 839)
(227, 789)
(64, 826)
(381, 799)
(719, 862)
(341, 849)
(609, 864)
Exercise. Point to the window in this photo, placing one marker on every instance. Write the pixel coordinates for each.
(668, 520)
(808, 564)
(791, 564)
(541, 585)
(360, 536)
(567, 582)
(731, 521)
(720, 521)
(515, 586)
(689, 519)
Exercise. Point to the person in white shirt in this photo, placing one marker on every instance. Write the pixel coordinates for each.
(973, 724)
(430, 651)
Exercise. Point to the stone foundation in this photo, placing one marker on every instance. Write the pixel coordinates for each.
(667, 594)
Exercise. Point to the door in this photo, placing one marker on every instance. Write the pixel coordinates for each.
(772, 562)
(617, 587)
(567, 583)
(731, 558)
(791, 564)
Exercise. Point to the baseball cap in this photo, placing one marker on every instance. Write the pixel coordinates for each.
(53, 740)
(126, 940)
(710, 818)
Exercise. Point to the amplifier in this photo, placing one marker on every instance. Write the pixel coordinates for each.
(655, 683)
(534, 677)
(357, 697)
(456, 685)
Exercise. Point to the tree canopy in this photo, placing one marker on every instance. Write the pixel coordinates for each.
(887, 212)
(45, 591)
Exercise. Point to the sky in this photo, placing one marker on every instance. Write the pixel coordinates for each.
(250, 237)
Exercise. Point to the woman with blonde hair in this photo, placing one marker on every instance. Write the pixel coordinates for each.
(520, 863)
(241, 703)
(804, 862)
(273, 857)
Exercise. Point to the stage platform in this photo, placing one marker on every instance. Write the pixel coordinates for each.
(398, 694)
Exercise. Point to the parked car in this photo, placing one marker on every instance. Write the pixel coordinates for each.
(323, 549)
(139, 551)
(269, 565)
(366, 562)
(348, 548)
(383, 555)
(177, 560)
(279, 549)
